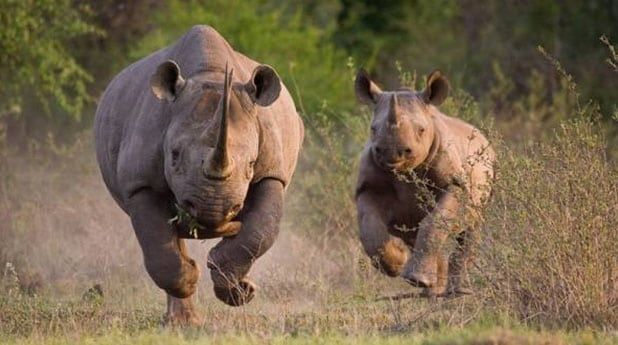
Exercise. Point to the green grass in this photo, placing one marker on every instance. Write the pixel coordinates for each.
(134, 317)
(471, 335)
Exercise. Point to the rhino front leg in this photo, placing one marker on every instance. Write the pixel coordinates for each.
(388, 253)
(165, 256)
(231, 259)
(422, 268)
(442, 270)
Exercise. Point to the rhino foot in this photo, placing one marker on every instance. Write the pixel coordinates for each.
(435, 291)
(433, 294)
(238, 294)
(460, 291)
(424, 276)
(418, 280)
(427, 272)
(181, 313)
(460, 284)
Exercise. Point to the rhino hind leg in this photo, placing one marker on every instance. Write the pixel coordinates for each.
(181, 312)
(459, 265)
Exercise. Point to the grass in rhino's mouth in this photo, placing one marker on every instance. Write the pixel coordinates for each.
(184, 217)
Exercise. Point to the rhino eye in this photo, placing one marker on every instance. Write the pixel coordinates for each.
(175, 156)
(421, 130)
(373, 129)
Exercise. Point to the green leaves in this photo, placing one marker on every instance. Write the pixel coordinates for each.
(309, 64)
(36, 60)
(183, 217)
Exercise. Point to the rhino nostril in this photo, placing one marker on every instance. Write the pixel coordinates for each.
(379, 150)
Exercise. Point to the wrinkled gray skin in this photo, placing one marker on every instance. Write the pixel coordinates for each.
(403, 234)
(202, 126)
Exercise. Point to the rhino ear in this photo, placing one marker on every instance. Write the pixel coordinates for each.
(264, 86)
(436, 89)
(167, 82)
(366, 90)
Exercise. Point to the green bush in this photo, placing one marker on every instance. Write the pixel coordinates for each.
(311, 67)
(36, 63)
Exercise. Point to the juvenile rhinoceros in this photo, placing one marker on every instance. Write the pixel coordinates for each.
(423, 177)
(200, 130)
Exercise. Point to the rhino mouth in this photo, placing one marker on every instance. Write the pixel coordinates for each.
(387, 164)
(188, 225)
(395, 166)
(398, 166)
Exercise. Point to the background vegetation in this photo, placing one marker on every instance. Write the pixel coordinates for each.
(539, 78)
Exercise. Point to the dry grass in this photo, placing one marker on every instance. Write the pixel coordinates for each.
(62, 234)
(550, 254)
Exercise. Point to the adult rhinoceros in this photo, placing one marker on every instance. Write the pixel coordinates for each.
(203, 129)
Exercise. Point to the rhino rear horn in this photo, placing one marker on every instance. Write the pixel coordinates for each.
(167, 82)
(264, 86)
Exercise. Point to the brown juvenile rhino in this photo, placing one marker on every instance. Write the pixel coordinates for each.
(200, 130)
(423, 176)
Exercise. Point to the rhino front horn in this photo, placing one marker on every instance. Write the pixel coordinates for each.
(219, 164)
(393, 111)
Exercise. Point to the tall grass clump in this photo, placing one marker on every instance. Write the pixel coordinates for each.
(550, 251)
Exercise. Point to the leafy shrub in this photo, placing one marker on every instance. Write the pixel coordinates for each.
(35, 62)
(309, 64)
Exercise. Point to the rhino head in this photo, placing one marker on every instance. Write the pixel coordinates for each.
(212, 141)
(402, 128)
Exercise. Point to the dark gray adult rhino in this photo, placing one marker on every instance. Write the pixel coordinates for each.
(204, 128)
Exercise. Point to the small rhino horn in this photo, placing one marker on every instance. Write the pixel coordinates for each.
(393, 110)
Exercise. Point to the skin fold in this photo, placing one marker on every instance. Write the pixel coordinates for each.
(423, 179)
(201, 128)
